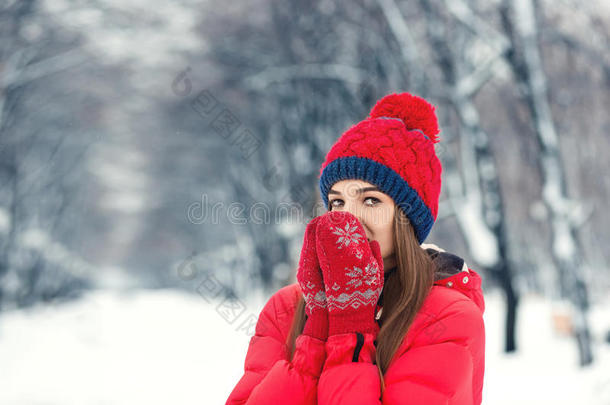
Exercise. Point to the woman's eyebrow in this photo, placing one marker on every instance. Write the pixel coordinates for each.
(359, 191)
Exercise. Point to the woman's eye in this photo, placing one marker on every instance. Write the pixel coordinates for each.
(375, 200)
(332, 203)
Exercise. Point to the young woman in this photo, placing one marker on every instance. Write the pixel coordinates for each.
(375, 316)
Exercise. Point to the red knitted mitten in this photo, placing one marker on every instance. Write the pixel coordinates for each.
(309, 276)
(352, 269)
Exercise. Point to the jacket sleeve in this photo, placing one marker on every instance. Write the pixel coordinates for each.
(436, 369)
(269, 377)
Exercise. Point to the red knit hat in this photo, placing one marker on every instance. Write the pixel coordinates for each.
(393, 148)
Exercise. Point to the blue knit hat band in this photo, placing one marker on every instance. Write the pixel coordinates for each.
(388, 181)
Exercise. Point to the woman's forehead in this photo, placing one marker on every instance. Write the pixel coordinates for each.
(351, 182)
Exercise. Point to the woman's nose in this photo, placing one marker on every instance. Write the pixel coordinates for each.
(358, 213)
(353, 209)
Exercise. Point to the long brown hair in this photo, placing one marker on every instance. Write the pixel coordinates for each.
(404, 292)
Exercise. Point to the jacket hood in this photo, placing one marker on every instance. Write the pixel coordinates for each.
(451, 272)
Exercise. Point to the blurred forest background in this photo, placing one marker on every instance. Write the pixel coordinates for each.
(168, 144)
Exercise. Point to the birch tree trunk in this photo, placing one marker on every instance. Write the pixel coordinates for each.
(519, 21)
(475, 193)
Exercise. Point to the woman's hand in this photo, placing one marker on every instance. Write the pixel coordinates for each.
(309, 276)
(352, 270)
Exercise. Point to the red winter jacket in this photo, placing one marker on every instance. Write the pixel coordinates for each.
(441, 359)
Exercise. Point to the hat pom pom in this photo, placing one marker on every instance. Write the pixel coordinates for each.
(414, 111)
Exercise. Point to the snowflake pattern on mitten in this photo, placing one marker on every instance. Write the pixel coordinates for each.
(347, 235)
(352, 269)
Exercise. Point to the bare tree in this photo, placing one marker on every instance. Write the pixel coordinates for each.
(29, 157)
(300, 108)
(475, 195)
(519, 18)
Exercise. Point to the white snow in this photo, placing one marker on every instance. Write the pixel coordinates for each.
(166, 346)
(545, 370)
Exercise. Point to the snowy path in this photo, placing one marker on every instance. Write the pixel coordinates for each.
(167, 347)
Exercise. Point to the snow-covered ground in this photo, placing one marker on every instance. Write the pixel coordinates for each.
(168, 347)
